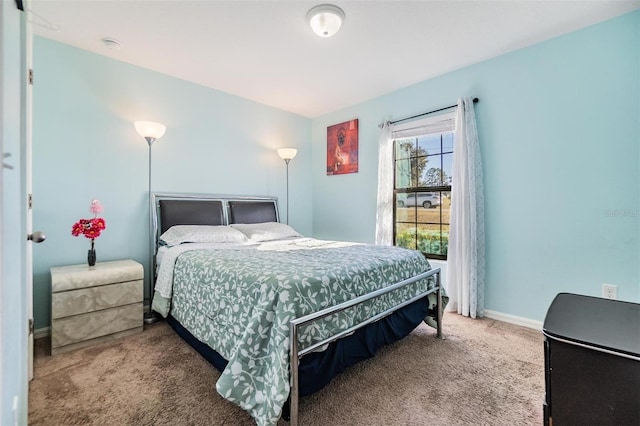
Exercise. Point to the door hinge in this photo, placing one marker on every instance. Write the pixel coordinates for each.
(30, 326)
(30, 201)
(31, 76)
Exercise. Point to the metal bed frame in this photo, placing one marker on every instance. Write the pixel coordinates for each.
(295, 353)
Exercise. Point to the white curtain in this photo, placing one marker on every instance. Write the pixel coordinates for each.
(465, 258)
(384, 214)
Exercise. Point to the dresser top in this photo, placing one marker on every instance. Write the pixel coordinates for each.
(609, 324)
(73, 277)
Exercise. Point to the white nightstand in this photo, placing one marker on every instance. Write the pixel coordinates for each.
(94, 304)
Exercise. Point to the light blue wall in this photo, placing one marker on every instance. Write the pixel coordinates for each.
(85, 146)
(559, 133)
(559, 126)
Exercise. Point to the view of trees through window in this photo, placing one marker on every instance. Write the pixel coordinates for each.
(422, 191)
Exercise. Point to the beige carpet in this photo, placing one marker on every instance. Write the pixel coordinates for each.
(484, 373)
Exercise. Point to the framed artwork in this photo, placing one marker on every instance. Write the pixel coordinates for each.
(342, 148)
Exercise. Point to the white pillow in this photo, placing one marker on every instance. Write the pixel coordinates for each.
(179, 234)
(266, 231)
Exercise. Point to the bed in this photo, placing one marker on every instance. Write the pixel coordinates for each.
(277, 313)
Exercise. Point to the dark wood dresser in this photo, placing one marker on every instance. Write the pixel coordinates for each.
(592, 361)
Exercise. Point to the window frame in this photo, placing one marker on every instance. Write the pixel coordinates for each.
(440, 189)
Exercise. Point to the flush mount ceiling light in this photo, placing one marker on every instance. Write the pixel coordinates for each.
(325, 19)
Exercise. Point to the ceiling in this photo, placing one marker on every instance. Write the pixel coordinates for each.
(265, 51)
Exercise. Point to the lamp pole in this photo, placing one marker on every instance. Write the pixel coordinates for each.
(287, 154)
(149, 316)
(286, 160)
(151, 132)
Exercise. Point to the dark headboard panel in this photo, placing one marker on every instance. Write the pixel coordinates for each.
(252, 211)
(190, 212)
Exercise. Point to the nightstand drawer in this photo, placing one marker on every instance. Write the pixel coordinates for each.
(82, 327)
(74, 302)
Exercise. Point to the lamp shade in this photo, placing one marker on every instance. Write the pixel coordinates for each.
(149, 129)
(287, 153)
(325, 20)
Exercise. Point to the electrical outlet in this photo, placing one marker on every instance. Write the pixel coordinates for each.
(609, 291)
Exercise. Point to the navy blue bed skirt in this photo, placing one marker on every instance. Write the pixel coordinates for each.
(318, 368)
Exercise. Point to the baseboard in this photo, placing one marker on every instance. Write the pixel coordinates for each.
(39, 333)
(513, 319)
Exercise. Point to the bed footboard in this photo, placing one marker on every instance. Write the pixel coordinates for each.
(295, 354)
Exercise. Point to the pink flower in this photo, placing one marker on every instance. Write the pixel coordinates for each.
(98, 223)
(96, 207)
(77, 229)
(90, 228)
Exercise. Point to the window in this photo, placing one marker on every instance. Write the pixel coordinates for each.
(423, 160)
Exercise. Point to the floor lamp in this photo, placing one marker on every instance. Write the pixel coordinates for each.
(287, 154)
(151, 132)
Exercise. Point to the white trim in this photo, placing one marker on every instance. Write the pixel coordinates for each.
(39, 333)
(512, 319)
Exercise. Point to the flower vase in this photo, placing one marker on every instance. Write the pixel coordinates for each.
(91, 255)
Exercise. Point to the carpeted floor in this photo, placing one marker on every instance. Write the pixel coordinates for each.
(484, 373)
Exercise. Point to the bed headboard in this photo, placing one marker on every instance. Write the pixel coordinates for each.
(252, 211)
(203, 209)
(190, 212)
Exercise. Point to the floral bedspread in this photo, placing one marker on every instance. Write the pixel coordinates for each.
(240, 303)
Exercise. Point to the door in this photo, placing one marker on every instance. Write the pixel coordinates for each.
(27, 87)
(14, 303)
